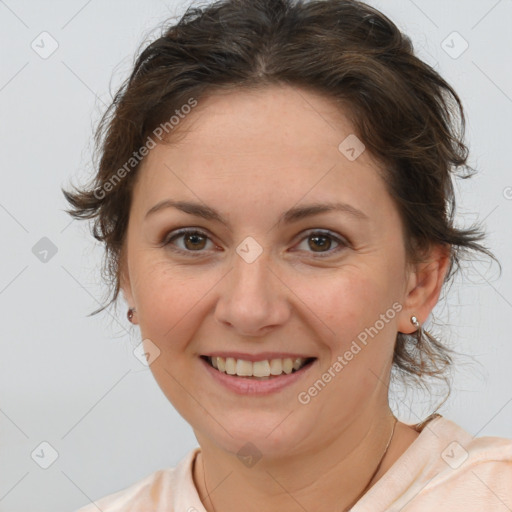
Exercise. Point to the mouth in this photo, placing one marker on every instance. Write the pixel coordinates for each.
(266, 369)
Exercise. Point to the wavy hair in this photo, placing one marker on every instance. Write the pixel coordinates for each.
(409, 117)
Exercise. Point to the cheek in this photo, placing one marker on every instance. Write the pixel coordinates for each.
(170, 297)
(347, 300)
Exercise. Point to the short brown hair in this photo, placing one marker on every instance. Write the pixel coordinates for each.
(408, 116)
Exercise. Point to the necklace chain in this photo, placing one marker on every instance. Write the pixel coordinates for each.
(347, 509)
(376, 469)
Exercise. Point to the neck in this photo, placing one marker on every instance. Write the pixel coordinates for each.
(305, 478)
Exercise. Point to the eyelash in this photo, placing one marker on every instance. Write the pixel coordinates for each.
(167, 242)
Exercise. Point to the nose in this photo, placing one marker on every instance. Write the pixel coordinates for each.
(253, 299)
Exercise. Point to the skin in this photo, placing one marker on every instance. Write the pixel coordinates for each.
(251, 155)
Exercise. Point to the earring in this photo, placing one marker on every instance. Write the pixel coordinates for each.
(415, 322)
(418, 334)
(130, 314)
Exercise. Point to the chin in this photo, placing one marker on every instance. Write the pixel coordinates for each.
(275, 435)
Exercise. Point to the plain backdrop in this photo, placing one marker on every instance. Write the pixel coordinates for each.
(73, 396)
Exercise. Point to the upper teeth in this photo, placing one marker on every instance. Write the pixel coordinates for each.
(264, 368)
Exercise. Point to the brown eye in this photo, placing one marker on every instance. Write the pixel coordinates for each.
(192, 241)
(322, 242)
(319, 242)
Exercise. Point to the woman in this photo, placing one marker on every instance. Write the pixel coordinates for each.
(275, 198)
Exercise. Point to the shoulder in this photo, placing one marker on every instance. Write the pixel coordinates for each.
(138, 494)
(154, 492)
(461, 450)
(465, 472)
(446, 468)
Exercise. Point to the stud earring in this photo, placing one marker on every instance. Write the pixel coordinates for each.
(130, 314)
(418, 334)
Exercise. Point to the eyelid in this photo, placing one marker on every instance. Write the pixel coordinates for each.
(340, 240)
(342, 243)
(172, 235)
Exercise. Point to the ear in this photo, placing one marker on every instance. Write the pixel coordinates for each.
(125, 285)
(424, 284)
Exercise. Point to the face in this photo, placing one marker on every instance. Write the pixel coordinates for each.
(252, 281)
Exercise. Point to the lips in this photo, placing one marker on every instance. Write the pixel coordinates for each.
(257, 386)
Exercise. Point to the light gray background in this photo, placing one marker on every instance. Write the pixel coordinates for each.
(73, 381)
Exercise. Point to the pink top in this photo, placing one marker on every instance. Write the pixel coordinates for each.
(444, 469)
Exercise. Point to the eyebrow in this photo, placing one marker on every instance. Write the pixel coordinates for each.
(292, 215)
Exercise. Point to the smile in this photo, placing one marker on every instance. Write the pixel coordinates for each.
(261, 377)
(261, 370)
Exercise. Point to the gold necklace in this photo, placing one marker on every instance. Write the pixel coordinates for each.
(205, 486)
(347, 509)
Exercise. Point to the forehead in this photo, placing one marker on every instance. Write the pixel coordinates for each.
(267, 119)
(276, 144)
